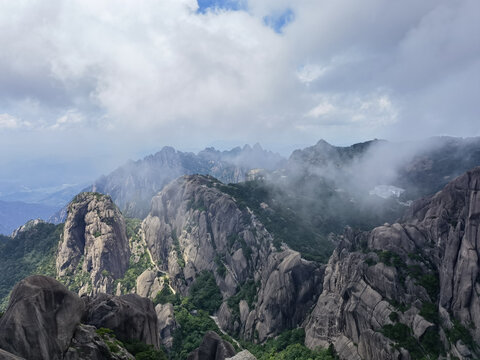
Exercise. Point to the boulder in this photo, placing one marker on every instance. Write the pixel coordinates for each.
(166, 324)
(212, 348)
(40, 320)
(130, 316)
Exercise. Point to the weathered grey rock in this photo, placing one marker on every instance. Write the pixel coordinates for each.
(212, 348)
(166, 324)
(195, 226)
(288, 287)
(41, 319)
(130, 316)
(4, 355)
(243, 355)
(148, 284)
(88, 345)
(420, 325)
(95, 247)
(438, 235)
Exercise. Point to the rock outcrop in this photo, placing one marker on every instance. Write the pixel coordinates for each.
(194, 225)
(243, 355)
(87, 344)
(213, 347)
(41, 319)
(4, 355)
(166, 324)
(130, 316)
(407, 290)
(94, 250)
(46, 321)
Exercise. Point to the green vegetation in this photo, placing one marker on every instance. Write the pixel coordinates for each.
(139, 260)
(431, 283)
(135, 269)
(196, 204)
(77, 278)
(166, 295)
(204, 293)
(176, 243)
(460, 332)
(393, 316)
(425, 276)
(221, 269)
(288, 346)
(115, 346)
(32, 251)
(193, 326)
(391, 259)
(283, 222)
(140, 350)
(248, 292)
(79, 197)
(133, 226)
(429, 346)
(430, 312)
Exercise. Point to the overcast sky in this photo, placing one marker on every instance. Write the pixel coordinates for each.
(93, 82)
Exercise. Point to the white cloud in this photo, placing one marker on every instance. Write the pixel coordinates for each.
(162, 73)
(70, 118)
(8, 122)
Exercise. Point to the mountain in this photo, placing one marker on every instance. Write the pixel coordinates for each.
(31, 249)
(407, 290)
(52, 196)
(264, 264)
(417, 168)
(16, 213)
(133, 185)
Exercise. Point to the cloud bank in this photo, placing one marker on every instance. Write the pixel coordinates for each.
(102, 77)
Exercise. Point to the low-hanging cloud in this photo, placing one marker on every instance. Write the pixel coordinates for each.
(163, 72)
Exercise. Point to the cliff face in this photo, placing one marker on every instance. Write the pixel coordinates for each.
(45, 321)
(94, 250)
(407, 290)
(195, 226)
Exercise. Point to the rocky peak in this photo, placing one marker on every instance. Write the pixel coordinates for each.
(195, 226)
(412, 287)
(94, 249)
(28, 225)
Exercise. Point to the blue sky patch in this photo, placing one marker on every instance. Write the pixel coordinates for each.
(234, 5)
(279, 20)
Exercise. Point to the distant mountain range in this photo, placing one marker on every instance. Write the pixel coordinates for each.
(355, 172)
(133, 185)
(16, 213)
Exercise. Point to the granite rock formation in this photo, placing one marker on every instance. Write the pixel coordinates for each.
(94, 250)
(420, 276)
(195, 226)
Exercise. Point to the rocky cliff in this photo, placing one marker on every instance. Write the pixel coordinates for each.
(94, 250)
(45, 321)
(194, 226)
(407, 290)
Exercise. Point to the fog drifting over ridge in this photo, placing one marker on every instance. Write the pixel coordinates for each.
(93, 84)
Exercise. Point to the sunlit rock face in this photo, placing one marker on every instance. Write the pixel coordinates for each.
(195, 226)
(94, 250)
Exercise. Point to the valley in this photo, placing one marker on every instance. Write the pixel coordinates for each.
(282, 265)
